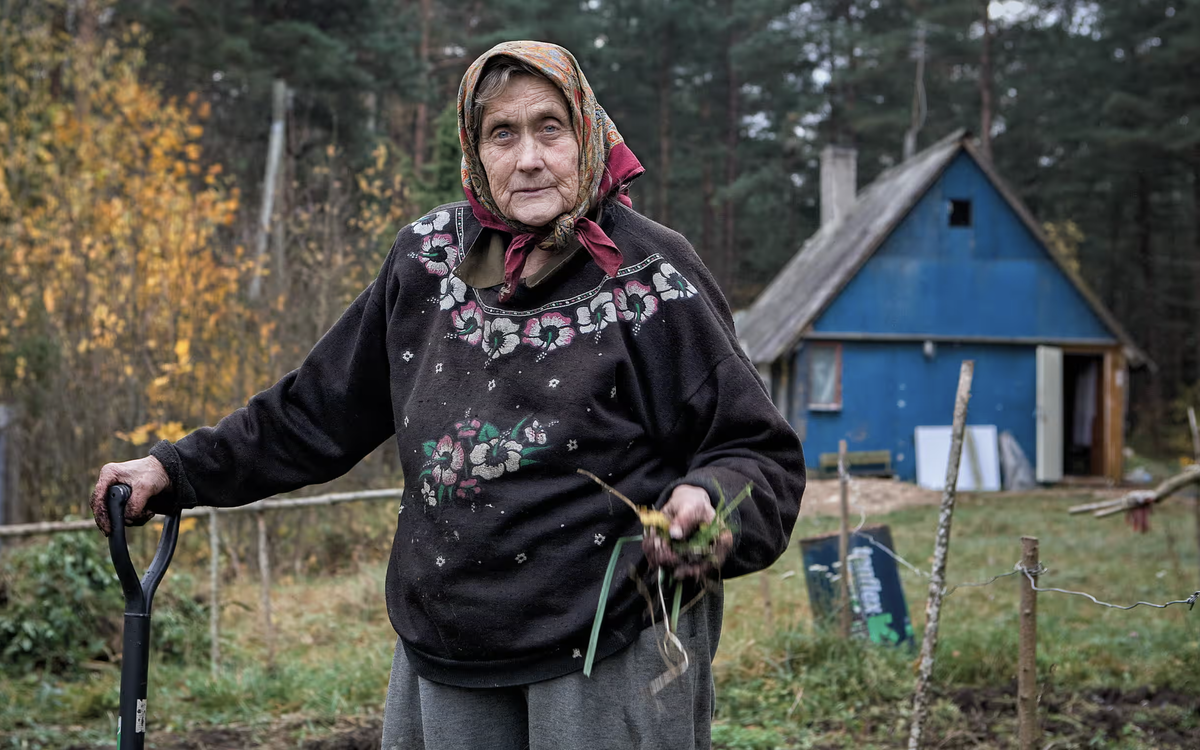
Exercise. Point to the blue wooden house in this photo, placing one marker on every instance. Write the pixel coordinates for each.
(862, 334)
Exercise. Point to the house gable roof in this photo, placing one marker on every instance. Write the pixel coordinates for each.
(785, 311)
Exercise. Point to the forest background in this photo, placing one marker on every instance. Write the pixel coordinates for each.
(139, 298)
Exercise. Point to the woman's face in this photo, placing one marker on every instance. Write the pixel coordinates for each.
(529, 152)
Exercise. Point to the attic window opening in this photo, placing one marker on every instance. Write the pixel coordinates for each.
(824, 377)
(960, 213)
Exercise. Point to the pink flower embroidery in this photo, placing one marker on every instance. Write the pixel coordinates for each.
(549, 332)
(468, 488)
(448, 457)
(468, 323)
(468, 428)
(439, 254)
(635, 303)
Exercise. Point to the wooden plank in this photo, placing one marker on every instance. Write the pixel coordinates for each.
(1049, 450)
(1116, 395)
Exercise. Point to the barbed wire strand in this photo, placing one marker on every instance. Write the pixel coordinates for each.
(1040, 570)
(1190, 601)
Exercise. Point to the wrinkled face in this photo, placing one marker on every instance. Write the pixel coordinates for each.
(529, 151)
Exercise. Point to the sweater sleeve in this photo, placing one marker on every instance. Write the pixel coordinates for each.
(735, 436)
(312, 426)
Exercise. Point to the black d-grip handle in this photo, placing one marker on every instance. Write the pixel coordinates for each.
(135, 650)
(138, 594)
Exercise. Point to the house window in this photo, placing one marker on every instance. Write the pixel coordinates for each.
(960, 213)
(825, 376)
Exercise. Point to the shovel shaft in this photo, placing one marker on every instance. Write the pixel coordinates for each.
(135, 663)
(139, 596)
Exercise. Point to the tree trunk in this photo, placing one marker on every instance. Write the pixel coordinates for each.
(708, 240)
(1150, 293)
(985, 86)
(729, 257)
(664, 127)
(421, 126)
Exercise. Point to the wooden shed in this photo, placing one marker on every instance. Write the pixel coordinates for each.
(862, 333)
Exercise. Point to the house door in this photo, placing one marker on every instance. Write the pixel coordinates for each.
(1049, 414)
(1083, 414)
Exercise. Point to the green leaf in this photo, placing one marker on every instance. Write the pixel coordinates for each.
(608, 574)
(428, 447)
(517, 430)
(488, 432)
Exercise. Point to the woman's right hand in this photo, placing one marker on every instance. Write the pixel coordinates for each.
(146, 478)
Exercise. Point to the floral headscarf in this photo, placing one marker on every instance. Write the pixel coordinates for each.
(605, 163)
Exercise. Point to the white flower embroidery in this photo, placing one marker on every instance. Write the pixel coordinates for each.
(599, 540)
(428, 493)
(406, 356)
(597, 315)
(572, 445)
(440, 561)
(491, 385)
(500, 337)
(431, 223)
(438, 367)
(521, 558)
(535, 433)
(576, 654)
(401, 509)
(406, 421)
(453, 292)
(613, 392)
(554, 382)
(492, 458)
(670, 284)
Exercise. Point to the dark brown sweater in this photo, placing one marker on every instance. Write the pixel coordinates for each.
(500, 545)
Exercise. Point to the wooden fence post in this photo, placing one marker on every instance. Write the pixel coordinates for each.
(1196, 460)
(264, 569)
(937, 582)
(846, 613)
(214, 615)
(1029, 732)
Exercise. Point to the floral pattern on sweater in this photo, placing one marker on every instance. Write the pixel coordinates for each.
(550, 327)
(475, 451)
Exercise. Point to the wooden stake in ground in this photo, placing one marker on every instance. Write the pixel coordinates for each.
(1195, 460)
(846, 615)
(264, 569)
(1030, 730)
(937, 582)
(214, 615)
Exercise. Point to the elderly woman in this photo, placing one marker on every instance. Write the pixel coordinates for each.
(540, 327)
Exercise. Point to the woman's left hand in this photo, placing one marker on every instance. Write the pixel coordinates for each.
(687, 508)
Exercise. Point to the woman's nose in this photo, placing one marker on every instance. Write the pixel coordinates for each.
(529, 158)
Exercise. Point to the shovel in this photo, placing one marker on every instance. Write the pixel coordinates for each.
(135, 649)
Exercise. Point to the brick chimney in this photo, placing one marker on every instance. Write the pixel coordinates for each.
(839, 182)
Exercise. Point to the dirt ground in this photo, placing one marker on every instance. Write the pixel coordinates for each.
(876, 496)
(1164, 720)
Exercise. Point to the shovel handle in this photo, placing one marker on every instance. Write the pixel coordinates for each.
(138, 594)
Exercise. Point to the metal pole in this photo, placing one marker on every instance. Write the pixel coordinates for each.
(1029, 732)
(846, 615)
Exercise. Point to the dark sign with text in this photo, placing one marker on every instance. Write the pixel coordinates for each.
(877, 599)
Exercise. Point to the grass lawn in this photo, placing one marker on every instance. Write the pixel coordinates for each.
(1109, 678)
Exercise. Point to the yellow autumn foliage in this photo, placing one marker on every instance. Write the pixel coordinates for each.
(109, 247)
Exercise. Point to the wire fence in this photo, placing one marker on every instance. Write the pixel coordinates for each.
(1018, 569)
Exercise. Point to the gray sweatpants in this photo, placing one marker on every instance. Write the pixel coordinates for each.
(612, 710)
